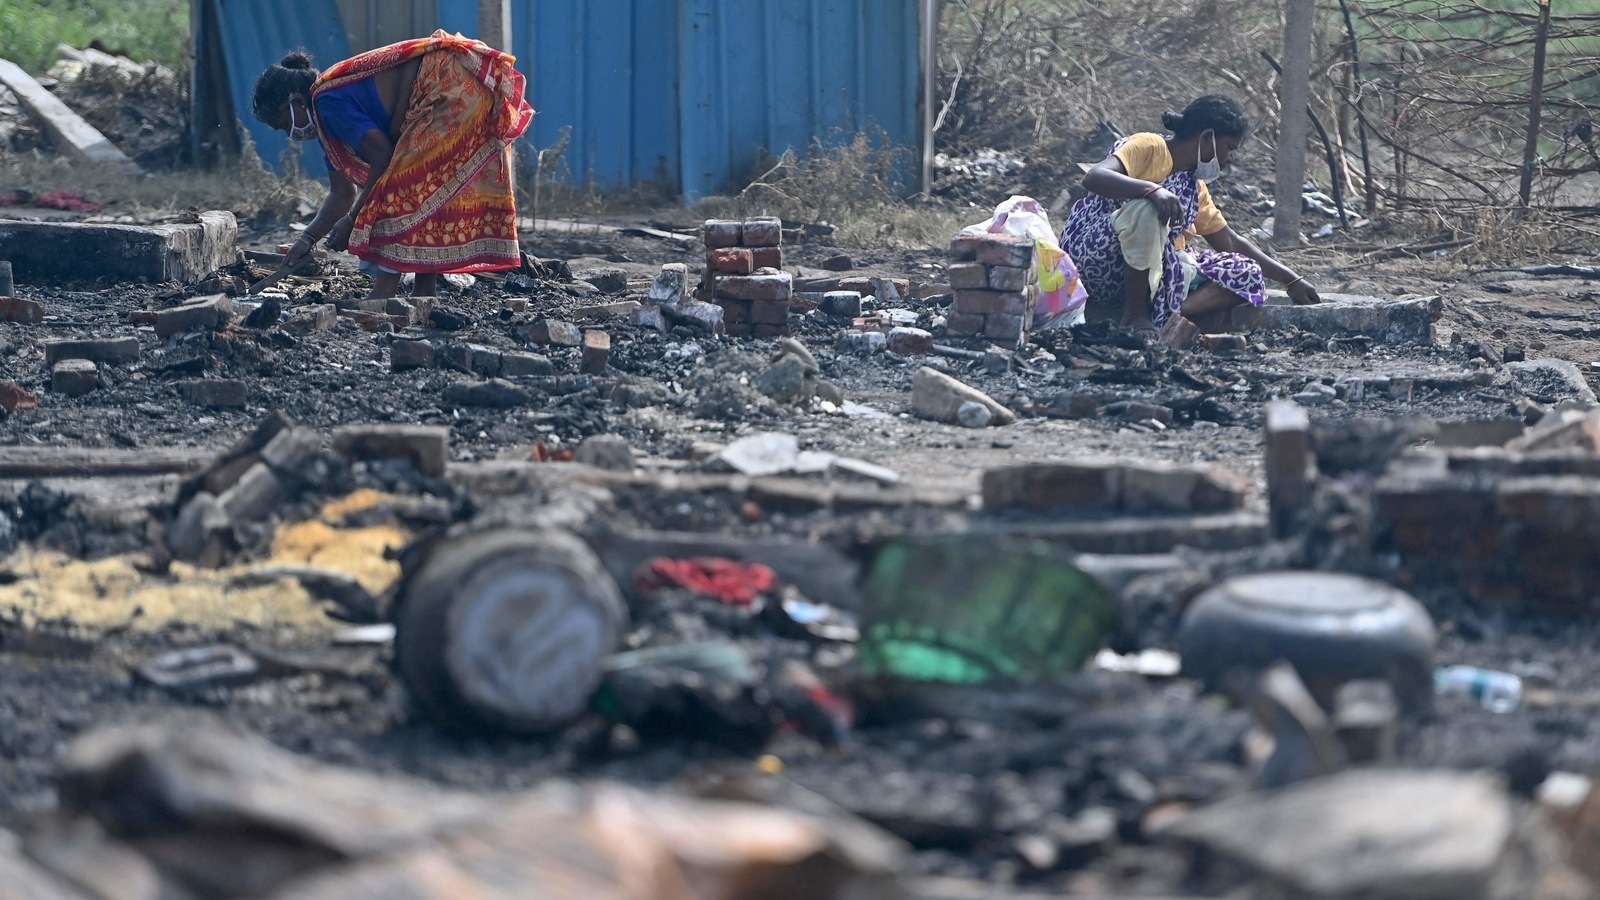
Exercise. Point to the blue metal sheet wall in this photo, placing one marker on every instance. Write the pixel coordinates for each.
(688, 91)
(256, 34)
(684, 92)
(778, 74)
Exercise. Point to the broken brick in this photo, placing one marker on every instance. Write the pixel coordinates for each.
(101, 350)
(1291, 462)
(621, 309)
(410, 355)
(1179, 333)
(206, 312)
(732, 260)
(1223, 343)
(552, 331)
(517, 365)
(74, 377)
(214, 391)
(20, 311)
(291, 449)
(256, 495)
(909, 341)
(670, 283)
(14, 396)
(428, 446)
(596, 352)
(474, 359)
(315, 319)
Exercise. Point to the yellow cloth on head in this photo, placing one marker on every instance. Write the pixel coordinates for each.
(1145, 156)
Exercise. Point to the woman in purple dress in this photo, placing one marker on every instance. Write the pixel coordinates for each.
(1169, 175)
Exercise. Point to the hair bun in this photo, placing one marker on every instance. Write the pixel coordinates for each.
(297, 59)
(1172, 121)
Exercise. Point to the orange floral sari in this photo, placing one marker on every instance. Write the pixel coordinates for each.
(445, 204)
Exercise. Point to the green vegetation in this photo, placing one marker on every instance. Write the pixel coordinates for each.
(147, 30)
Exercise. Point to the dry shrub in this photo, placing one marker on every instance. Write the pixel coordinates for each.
(1506, 235)
(1038, 78)
(855, 183)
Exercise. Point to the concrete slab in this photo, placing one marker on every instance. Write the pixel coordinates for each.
(1386, 321)
(70, 133)
(54, 252)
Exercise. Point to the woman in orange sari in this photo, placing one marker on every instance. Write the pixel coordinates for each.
(418, 140)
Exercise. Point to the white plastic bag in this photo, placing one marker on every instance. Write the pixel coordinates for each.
(1061, 293)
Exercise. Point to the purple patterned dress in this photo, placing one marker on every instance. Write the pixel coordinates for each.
(1093, 245)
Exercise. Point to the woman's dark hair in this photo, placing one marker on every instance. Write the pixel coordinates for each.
(291, 75)
(1211, 112)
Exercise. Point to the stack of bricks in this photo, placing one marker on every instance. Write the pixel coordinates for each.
(996, 287)
(744, 262)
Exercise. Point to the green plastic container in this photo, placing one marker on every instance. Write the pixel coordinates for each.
(966, 609)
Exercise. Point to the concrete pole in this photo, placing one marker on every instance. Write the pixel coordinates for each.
(494, 23)
(930, 86)
(1293, 95)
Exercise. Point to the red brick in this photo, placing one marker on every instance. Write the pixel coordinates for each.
(969, 276)
(763, 232)
(764, 330)
(909, 341)
(964, 324)
(862, 286)
(1005, 250)
(596, 352)
(986, 303)
(1004, 328)
(1179, 333)
(1005, 278)
(735, 312)
(770, 312)
(964, 247)
(20, 311)
(732, 260)
(755, 287)
(1051, 485)
(14, 396)
(723, 234)
(741, 329)
(768, 257)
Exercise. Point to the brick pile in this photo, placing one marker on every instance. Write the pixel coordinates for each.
(744, 262)
(996, 287)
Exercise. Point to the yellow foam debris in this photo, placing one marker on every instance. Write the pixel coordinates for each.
(111, 592)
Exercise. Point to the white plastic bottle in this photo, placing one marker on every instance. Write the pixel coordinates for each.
(1499, 692)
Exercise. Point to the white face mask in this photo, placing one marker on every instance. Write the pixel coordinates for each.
(298, 132)
(1210, 170)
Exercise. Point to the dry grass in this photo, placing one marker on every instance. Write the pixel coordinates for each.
(853, 184)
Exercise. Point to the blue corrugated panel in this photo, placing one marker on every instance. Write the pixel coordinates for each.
(256, 34)
(779, 74)
(684, 92)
